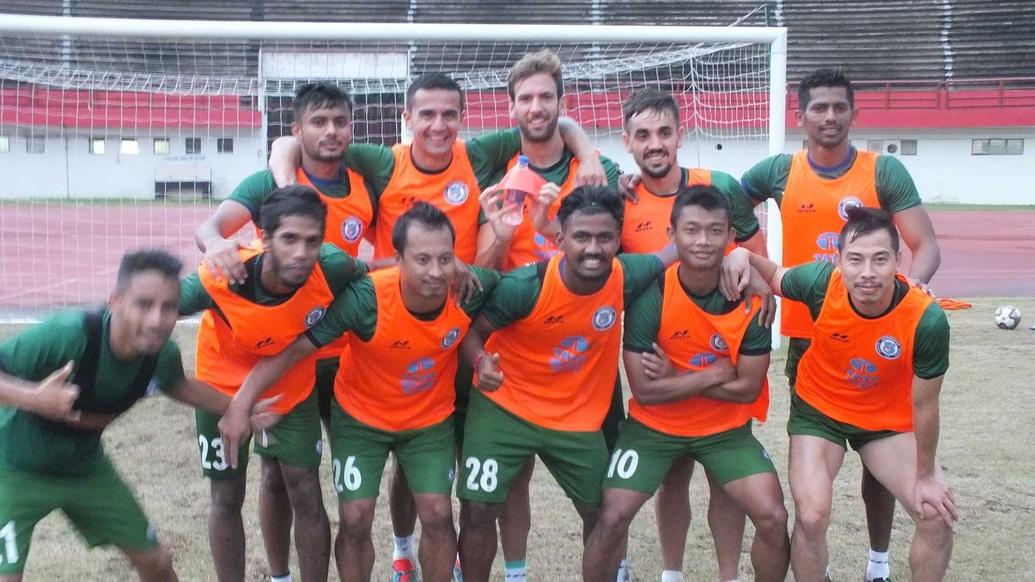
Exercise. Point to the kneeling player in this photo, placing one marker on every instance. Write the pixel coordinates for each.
(695, 395)
(51, 455)
(394, 391)
(870, 379)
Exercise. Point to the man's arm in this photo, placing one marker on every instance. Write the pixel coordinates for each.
(51, 398)
(917, 232)
(930, 489)
(653, 379)
(746, 386)
(285, 159)
(212, 238)
(769, 271)
(197, 394)
(591, 170)
(472, 350)
(494, 235)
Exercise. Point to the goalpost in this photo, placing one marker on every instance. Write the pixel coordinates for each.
(118, 133)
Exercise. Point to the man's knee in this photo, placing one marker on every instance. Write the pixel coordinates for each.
(303, 486)
(227, 496)
(436, 511)
(935, 531)
(475, 514)
(357, 519)
(771, 519)
(811, 518)
(153, 564)
(613, 521)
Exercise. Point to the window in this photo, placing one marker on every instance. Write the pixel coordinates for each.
(162, 146)
(128, 146)
(875, 145)
(997, 147)
(97, 146)
(192, 145)
(225, 145)
(908, 147)
(5, 144)
(34, 144)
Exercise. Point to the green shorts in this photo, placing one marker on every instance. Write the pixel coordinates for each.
(99, 505)
(795, 350)
(644, 456)
(295, 440)
(326, 372)
(499, 444)
(804, 419)
(615, 416)
(463, 383)
(359, 451)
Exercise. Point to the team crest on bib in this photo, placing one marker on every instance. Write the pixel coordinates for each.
(456, 193)
(889, 347)
(451, 337)
(351, 229)
(604, 318)
(314, 316)
(718, 344)
(846, 203)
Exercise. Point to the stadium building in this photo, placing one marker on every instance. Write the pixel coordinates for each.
(947, 85)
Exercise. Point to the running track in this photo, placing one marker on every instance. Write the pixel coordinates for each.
(60, 254)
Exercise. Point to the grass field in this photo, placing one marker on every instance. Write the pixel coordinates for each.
(985, 450)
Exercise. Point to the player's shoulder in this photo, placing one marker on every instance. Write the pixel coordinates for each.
(934, 320)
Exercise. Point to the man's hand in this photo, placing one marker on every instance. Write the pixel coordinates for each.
(932, 499)
(539, 211)
(627, 184)
(494, 208)
(490, 377)
(591, 173)
(735, 274)
(222, 258)
(767, 301)
(922, 286)
(657, 365)
(53, 397)
(234, 428)
(263, 416)
(465, 282)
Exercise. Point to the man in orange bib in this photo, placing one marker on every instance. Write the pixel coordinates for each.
(814, 189)
(653, 135)
(291, 280)
(871, 379)
(395, 390)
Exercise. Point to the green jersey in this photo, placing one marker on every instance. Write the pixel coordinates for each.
(339, 269)
(643, 320)
(895, 188)
(518, 290)
(33, 444)
(355, 310)
(254, 190)
(808, 283)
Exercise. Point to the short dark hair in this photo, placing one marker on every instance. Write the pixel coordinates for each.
(706, 197)
(649, 100)
(424, 214)
(294, 200)
(592, 200)
(863, 221)
(824, 78)
(320, 96)
(432, 81)
(147, 260)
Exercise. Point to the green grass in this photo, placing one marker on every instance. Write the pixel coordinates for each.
(967, 207)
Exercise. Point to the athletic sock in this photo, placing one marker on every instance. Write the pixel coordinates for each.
(403, 547)
(623, 570)
(281, 578)
(514, 571)
(672, 576)
(878, 565)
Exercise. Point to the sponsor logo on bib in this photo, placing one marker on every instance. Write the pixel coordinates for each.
(351, 229)
(456, 193)
(451, 337)
(604, 318)
(846, 203)
(718, 344)
(314, 316)
(862, 373)
(889, 347)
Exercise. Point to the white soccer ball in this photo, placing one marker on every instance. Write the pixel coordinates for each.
(1007, 317)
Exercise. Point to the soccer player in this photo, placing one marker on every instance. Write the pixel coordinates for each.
(291, 280)
(697, 368)
(448, 173)
(653, 134)
(871, 379)
(51, 456)
(395, 390)
(814, 189)
(554, 347)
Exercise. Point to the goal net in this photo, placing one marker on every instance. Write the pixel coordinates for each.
(119, 134)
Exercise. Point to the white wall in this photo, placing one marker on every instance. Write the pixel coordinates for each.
(68, 169)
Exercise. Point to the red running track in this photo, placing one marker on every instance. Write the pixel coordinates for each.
(61, 254)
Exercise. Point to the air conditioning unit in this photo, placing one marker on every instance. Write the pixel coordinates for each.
(892, 147)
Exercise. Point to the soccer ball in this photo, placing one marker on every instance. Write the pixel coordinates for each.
(1007, 317)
